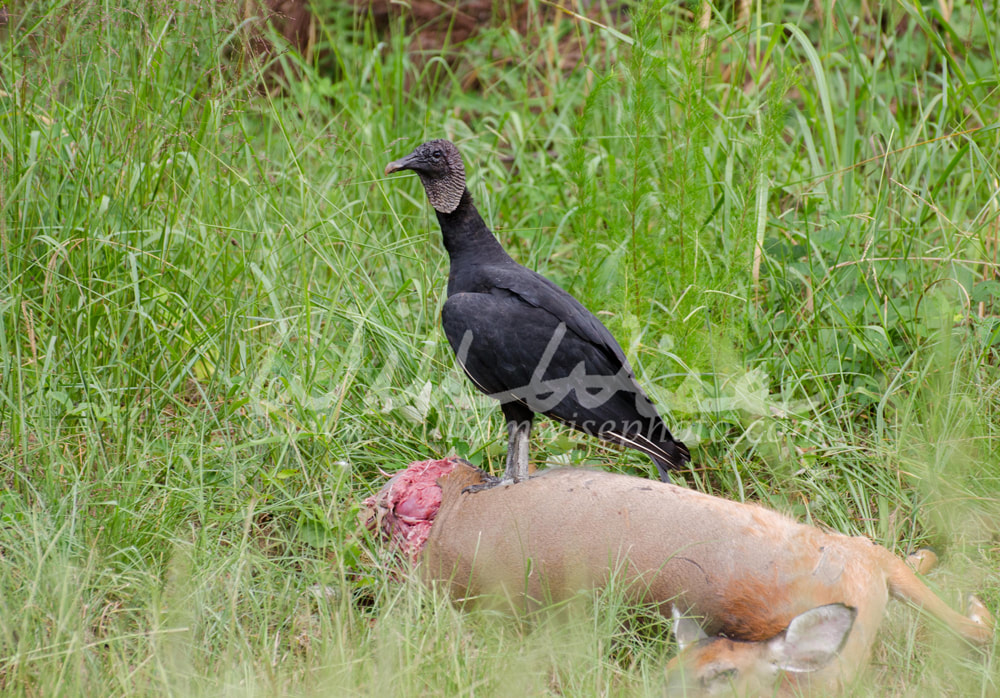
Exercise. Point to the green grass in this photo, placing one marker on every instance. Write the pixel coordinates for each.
(220, 321)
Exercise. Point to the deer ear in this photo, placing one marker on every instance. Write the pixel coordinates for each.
(686, 630)
(813, 638)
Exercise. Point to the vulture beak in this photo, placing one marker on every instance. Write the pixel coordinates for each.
(401, 164)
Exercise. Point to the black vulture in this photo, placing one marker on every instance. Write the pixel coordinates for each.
(526, 342)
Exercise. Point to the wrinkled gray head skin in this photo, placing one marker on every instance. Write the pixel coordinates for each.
(439, 165)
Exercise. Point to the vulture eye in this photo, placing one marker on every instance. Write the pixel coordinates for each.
(437, 154)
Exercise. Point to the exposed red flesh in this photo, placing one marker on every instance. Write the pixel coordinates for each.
(406, 506)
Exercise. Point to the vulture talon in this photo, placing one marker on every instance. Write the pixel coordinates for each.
(488, 483)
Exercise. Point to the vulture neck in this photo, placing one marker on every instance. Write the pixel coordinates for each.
(466, 236)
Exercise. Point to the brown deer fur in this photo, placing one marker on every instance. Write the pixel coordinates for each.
(745, 570)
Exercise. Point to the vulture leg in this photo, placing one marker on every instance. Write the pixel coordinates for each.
(517, 451)
(518, 431)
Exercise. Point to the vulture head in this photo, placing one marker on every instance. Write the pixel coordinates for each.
(439, 165)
